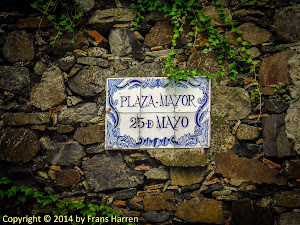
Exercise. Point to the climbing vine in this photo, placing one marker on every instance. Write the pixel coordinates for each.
(191, 13)
(63, 14)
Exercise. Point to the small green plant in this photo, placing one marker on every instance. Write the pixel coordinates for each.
(22, 198)
(63, 14)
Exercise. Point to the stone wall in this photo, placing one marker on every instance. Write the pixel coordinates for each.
(52, 109)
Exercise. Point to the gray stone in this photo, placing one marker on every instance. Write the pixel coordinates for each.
(125, 194)
(205, 62)
(95, 149)
(93, 61)
(87, 5)
(112, 16)
(180, 157)
(284, 145)
(287, 24)
(63, 153)
(82, 113)
(25, 118)
(276, 106)
(90, 135)
(143, 70)
(15, 79)
(156, 217)
(271, 127)
(18, 144)
(254, 53)
(18, 46)
(212, 12)
(65, 44)
(230, 103)
(254, 34)
(66, 178)
(90, 82)
(288, 199)
(186, 176)
(39, 67)
(164, 53)
(161, 34)
(50, 91)
(290, 218)
(96, 52)
(73, 100)
(157, 174)
(123, 42)
(294, 70)
(66, 63)
(105, 172)
(292, 121)
(246, 132)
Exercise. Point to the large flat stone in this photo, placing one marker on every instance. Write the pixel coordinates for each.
(246, 132)
(90, 81)
(205, 62)
(112, 16)
(18, 46)
(25, 118)
(90, 135)
(290, 218)
(157, 174)
(292, 121)
(159, 202)
(105, 172)
(18, 144)
(50, 91)
(294, 65)
(254, 34)
(15, 79)
(143, 70)
(161, 34)
(66, 178)
(244, 169)
(288, 199)
(179, 157)
(274, 69)
(287, 24)
(294, 170)
(186, 176)
(201, 210)
(82, 113)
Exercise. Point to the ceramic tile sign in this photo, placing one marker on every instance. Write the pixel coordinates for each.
(143, 113)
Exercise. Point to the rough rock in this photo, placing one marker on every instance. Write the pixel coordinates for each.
(18, 144)
(66, 178)
(65, 153)
(90, 135)
(161, 34)
(254, 34)
(90, 82)
(205, 62)
(274, 69)
(235, 103)
(164, 52)
(18, 46)
(123, 42)
(87, 5)
(15, 79)
(33, 22)
(244, 169)
(201, 210)
(288, 199)
(96, 52)
(39, 67)
(292, 121)
(294, 170)
(180, 157)
(144, 70)
(245, 212)
(93, 61)
(61, 128)
(25, 118)
(290, 218)
(294, 70)
(276, 106)
(50, 91)
(104, 172)
(254, 53)
(186, 176)
(156, 217)
(246, 132)
(157, 174)
(66, 63)
(112, 16)
(159, 202)
(64, 43)
(275, 138)
(95, 149)
(212, 12)
(125, 194)
(82, 113)
(287, 24)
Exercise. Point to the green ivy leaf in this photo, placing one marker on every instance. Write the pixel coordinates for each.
(4, 180)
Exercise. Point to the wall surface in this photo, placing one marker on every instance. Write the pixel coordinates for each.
(52, 109)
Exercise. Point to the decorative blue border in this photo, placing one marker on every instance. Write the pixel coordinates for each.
(200, 137)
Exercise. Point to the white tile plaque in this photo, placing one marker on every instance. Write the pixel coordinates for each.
(145, 113)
